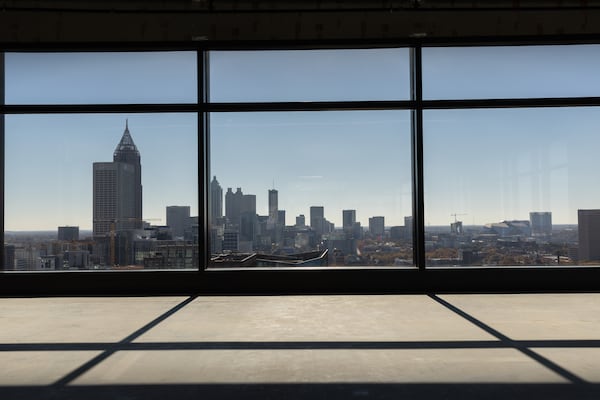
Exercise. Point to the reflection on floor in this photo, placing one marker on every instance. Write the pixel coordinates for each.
(401, 346)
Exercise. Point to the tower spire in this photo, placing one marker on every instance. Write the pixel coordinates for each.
(126, 147)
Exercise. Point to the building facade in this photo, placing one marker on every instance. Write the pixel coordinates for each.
(273, 208)
(216, 200)
(178, 219)
(317, 219)
(377, 226)
(589, 235)
(68, 233)
(348, 219)
(541, 223)
(117, 186)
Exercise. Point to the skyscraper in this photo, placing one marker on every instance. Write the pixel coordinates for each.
(541, 223)
(588, 222)
(348, 219)
(273, 207)
(178, 219)
(317, 219)
(68, 233)
(281, 218)
(233, 206)
(216, 200)
(117, 185)
(240, 210)
(377, 226)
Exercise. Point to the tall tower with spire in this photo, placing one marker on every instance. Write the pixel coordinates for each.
(118, 189)
(216, 200)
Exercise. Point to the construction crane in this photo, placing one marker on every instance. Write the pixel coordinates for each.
(455, 215)
(112, 232)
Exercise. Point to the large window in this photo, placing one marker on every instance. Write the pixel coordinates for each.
(299, 182)
(366, 158)
(511, 186)
(92, 182)
(312, 188)
(504, 186)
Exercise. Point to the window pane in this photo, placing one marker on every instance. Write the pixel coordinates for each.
(80, 78)
(93, 191)
(287, 186)
(309, 75)
(511, 72)
(506, 186)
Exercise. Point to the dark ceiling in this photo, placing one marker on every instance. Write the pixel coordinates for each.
(28, 22)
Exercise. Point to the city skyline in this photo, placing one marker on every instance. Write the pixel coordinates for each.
(350, 214)
(490, 164)
(168, 143)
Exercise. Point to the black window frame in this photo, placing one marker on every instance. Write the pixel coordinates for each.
(304, 280)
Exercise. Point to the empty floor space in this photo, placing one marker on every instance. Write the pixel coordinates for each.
(331, 346)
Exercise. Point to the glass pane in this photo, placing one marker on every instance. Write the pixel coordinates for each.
(80, 78)
(309, 75)
(94, 191)
(508, 186)
(311, 189)
(511, 72)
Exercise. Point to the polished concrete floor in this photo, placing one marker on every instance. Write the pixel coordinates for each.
(517, 346)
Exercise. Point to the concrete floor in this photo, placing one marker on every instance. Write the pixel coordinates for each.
(401, 346)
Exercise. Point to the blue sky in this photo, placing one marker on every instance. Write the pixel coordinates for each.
(49, 165)
(487, 164)
(339, 160)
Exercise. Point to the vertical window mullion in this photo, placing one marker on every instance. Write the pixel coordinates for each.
(416, 83)
(3, 155)
(203, 161)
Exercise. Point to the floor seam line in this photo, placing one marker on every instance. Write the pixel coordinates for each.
(513, 344)
(114, 347)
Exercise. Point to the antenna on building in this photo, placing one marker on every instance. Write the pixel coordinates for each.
(457, 214)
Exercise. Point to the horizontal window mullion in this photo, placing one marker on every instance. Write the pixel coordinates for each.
(97, 108)
(511, 103)
(310, 106)
(300, 106)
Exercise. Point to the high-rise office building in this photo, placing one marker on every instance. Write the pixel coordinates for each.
(233, 206)
(281, 217)
(348, 219)
(408, 228)
(248, 204)
(240, 210)
(301, 220)
(377, 226)
(541, 223)
(178, 219)
(117, 186)
(68, 233)
(273, 207)
(589, 235)
(317, 219)
(216, 200)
